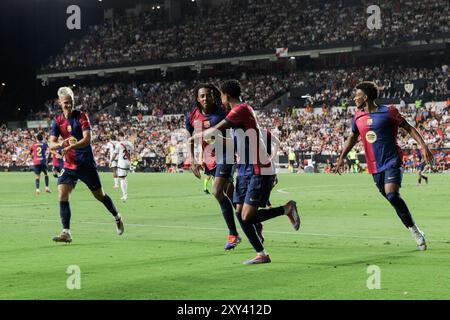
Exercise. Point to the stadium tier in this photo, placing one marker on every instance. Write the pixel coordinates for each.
(258, 26)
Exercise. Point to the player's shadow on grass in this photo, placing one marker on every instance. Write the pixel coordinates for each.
(375, 259)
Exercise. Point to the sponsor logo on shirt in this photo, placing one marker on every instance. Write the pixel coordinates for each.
(371, 136)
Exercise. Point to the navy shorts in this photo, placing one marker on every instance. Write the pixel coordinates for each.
(40, 168)
(391, 175)
(253, 190)
(420, 166)
(88, 175)
(209, 172)
(224, 171)
(57, 168)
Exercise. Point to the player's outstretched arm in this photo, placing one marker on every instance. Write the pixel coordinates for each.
(348, 145)
(429, 158)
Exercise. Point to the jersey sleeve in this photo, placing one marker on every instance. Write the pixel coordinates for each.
(354, 126)
(189, 126)
(84, 121)
(55, 129)
(396, 116)
(235, 116)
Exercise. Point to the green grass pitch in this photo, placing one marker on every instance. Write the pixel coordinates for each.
(172, 247)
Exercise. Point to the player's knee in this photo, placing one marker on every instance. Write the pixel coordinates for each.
(393, 196)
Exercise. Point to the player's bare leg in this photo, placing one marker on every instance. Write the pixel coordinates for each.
(101, 196)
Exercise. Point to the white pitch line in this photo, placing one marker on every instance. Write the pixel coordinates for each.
(140, 225)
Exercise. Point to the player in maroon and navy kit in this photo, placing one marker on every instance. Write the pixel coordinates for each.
(207, 113)
(255, 175)
(378, 127)
(74, 127)
(39, 154)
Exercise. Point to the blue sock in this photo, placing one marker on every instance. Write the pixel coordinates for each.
(227, 211)
(37, 183)
(250, 231)
(401, 208)
(108, 203)
(64, 212)
(46, 181)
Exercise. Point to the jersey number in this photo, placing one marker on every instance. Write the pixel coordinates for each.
(39, 151)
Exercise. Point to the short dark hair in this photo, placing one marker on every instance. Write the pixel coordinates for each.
(39, 137)
(113, 137)
(232, 88)
(121, 134)
(369, 88)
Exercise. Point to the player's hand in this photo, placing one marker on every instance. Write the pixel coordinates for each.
(338, 167)
(66, 150)
(196, 170)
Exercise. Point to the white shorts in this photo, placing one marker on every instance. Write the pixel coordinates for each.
(113, 164)
(122, 172)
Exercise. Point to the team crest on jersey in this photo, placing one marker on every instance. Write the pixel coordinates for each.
(206, 124)
(369, 121)
(371, 136)
(69, 128)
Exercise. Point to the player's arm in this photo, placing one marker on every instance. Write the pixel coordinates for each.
(429, 158)
(348, 145)
(54, 144)
(84, 142)
(213, 131)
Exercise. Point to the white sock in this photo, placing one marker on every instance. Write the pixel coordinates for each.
(262, 253)
(414, 228)
(116, 181)
(118, 217)
(66, 231)
(124, 187)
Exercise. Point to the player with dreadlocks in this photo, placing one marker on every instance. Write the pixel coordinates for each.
(218, 163)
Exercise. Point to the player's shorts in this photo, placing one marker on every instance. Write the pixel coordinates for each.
(420, 166)
(37, 169)
(253, 190)
(57, 168)
(210, 172)
(88, 175)
(122, 172)
(391, 175)
(224, 171)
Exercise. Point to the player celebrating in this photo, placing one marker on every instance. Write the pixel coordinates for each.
(111, 146)
(419, 163)
(255, 178)
(39, 153)
(207, 113)
(378, 127)
(122, 156)
(79, 163)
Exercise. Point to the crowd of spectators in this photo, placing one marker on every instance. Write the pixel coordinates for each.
(300, 130)
(332, 87)
(238, 26)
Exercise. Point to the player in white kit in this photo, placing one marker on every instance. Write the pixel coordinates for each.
(111, 146)
(123, 152)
